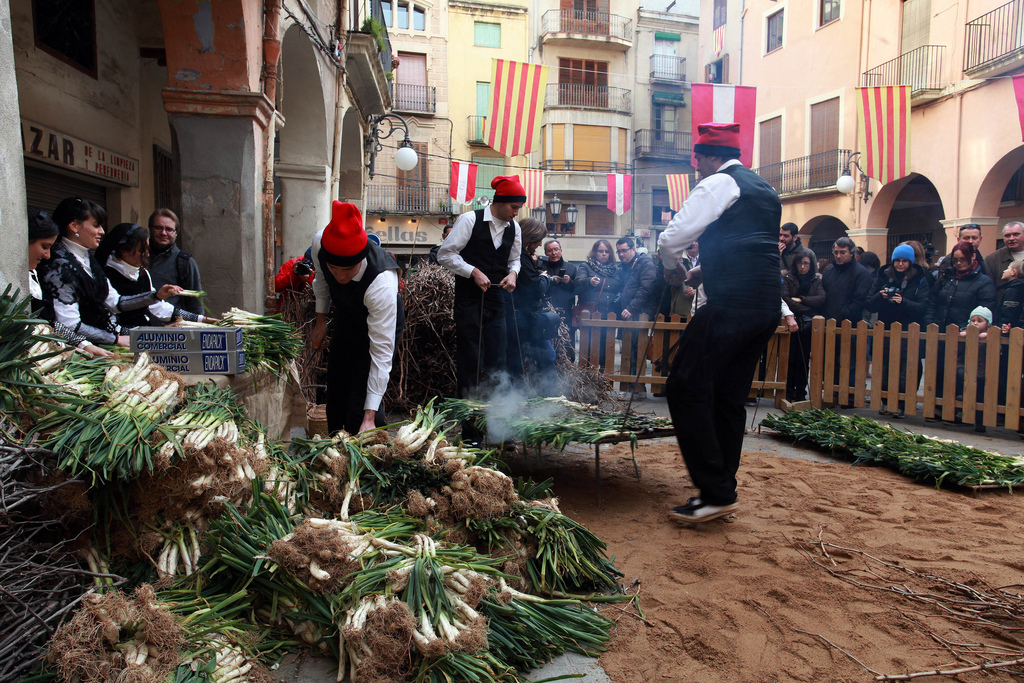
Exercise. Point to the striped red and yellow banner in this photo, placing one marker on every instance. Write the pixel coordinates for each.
(678, 190)
(517, 101)
(883, 122)
(533, 182)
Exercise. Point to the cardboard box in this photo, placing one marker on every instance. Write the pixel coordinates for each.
(201, 363)
(185, 339)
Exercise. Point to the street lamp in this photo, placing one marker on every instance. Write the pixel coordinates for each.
(381, 128)
(539, 214)
(846, 184)
(571, 214)
(555, 207)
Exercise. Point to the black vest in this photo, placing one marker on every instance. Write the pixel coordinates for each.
(92, 291)
(140, 317)
(480, 253)
(349, 310)
(739, 252)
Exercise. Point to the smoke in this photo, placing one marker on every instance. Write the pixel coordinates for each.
(508, 410)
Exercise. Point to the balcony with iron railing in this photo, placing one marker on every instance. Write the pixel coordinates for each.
(578, 95)
(578, 166)
(419, 99)
(815, 172)
(995, 40)
(599, 29)
(477, 131)
(662, 144)
(368, 57)
(413, 199)
(668, 68)
(921, 69)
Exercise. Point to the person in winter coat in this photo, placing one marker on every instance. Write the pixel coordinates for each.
(959, 288)
(124, 252)
(530, 352)
(561, 276)
(899, 294)
(804, 294)
(598, 284)
(1012, 306)
(846, 286)
(639, 296)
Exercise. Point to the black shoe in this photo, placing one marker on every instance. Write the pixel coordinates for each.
(696, 511)
(883, 411)
(846, 406)
(980, 429)
(935, 418)
(899, 414)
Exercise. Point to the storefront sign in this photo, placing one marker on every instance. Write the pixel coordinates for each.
(393, 234)
(50, 145)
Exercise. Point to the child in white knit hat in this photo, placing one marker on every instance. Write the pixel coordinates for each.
(981, 318)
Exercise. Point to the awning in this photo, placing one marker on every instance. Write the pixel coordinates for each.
(662, 35)
(674, 98)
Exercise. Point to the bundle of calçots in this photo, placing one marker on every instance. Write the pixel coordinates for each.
(922, 457)
(555, 422)
(405, 553)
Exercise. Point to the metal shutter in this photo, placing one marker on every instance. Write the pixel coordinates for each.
(45, 189)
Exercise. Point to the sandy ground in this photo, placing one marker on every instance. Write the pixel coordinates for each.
(727, 601)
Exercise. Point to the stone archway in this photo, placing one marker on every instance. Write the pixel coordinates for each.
(916, 214)
(820, 232)
(303, 166)
(350, 168)
(990, 192)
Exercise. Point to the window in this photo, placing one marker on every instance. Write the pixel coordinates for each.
(163, 178)
(396, 15)
(828, 11)
(719, 13)
(775, 31)
(661, 212)
(486, 35)
(66, 29)
(582, 83)
(419, 19)
(718, 71)
(600, 220)
(769, 159)
(824, 143)
(488, 168)
(388, 20)
(403, 15)
(665, 117)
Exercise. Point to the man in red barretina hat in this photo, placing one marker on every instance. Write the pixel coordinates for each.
(735, 217)
(482, 251)
(361, 280)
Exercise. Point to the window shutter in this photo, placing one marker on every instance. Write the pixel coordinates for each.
(600, 220)
(725, 69)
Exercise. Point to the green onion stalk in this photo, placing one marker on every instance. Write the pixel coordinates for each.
(269, 342)
(922, 457)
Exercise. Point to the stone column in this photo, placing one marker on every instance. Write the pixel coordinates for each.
(305, 204)
(222, 142)
(13, 216)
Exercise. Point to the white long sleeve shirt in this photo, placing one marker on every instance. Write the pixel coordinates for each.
(449, 255)
(706, 204)
(381, 301)
(68, 314)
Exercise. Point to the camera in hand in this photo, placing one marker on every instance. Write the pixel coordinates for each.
(302, 269)
(889, 291)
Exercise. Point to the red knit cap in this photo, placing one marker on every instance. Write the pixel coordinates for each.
(718, 140)
(507, 188)
(344, 241)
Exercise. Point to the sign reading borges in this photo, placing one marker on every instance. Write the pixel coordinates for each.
(50, 145)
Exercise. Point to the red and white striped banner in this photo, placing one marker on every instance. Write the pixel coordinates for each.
(678, 190)
(463, 184)
(517, 101)
(1018, 94)
(714, 103)
(620, 192)
(883, 121)
(533, 182)
(719, 39)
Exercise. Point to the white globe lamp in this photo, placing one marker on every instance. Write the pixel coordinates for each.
(406, 158)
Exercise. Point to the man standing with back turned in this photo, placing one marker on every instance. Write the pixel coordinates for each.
(735, 217)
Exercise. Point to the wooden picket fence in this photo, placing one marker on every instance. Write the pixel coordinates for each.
(769, 380)
(828, 387)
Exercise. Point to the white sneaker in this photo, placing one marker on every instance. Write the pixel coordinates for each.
(696, 512)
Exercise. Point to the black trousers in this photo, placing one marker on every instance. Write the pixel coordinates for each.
(799, 360)
(479, 354)
(707, 390)
(348, 368)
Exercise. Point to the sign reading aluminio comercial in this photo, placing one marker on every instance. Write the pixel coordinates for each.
(50, 145)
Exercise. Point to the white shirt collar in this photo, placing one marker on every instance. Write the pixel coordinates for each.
(80, 252)
(488, 216)
(128, 270)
